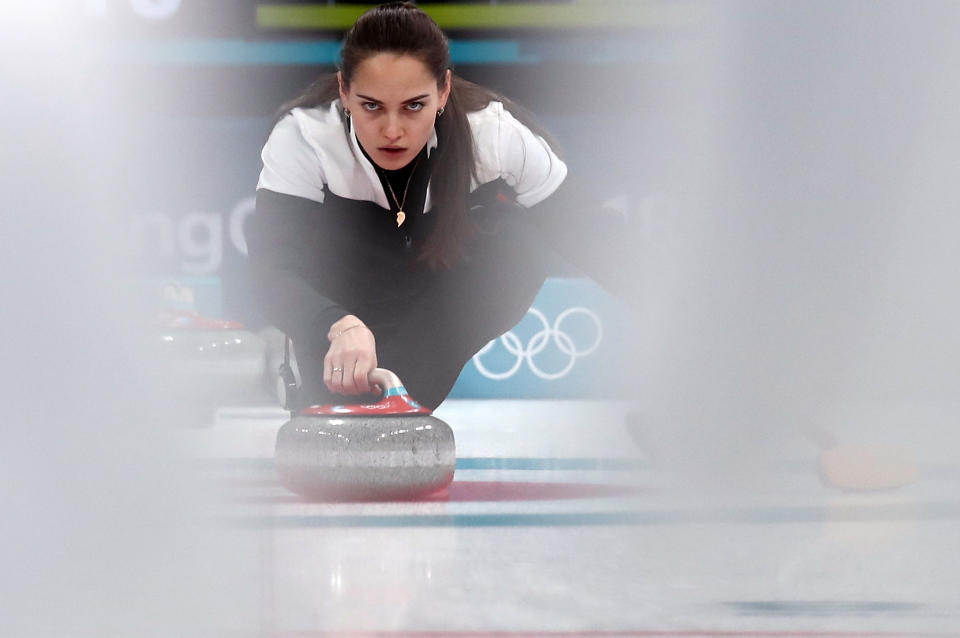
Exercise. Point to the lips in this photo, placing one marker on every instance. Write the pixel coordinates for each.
(392, 150)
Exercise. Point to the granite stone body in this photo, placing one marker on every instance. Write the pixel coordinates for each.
(365, 457)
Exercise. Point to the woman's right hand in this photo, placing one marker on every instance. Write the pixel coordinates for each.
(350, 358)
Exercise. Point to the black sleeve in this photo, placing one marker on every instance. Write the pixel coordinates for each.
(282, 265)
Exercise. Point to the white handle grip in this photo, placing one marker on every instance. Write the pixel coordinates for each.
(384, 378)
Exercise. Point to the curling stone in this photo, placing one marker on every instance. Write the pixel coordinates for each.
(861, 466)
(868, 467)
(208, 363)
(390, 449)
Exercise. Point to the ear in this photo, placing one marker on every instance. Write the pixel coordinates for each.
(343, 93)
(445, 91)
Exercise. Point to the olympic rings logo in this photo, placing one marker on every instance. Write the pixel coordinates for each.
(538, 343)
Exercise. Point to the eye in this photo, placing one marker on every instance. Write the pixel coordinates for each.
(370, 106)
(415, 106)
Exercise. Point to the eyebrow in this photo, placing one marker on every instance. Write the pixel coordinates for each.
(373, 99)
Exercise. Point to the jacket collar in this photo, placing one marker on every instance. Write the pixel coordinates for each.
(380, 196)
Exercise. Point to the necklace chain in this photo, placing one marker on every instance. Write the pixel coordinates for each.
(401, 216)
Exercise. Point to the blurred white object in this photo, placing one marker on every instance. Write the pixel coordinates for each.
(209, 362)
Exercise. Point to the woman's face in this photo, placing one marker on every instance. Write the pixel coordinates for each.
(393, 100)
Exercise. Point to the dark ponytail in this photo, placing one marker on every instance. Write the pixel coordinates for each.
(450, 183)
(402, 28)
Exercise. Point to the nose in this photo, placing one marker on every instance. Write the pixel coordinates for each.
(392, 129)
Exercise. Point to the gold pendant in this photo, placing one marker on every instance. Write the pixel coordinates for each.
(400, 217)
